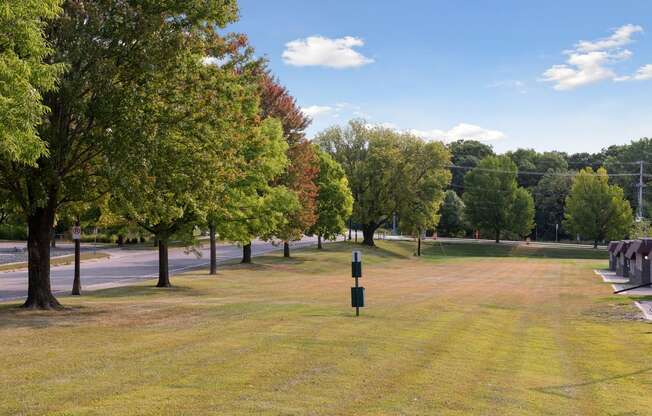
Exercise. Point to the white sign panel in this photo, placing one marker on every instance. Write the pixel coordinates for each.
(76, 232)
(357, 257)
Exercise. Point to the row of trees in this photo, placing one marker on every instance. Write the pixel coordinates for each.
(144, 113)
(395, 175)
(548, 176)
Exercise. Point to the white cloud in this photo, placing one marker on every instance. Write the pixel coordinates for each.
(590, 62)
(321, 51)
(621, 37)
(316, 110)
(383, 125)
(462, 131)
(645, 72)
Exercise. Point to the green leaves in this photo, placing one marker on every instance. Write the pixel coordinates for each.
(24, 77)
(390, 172)
(334, 200)
(251, 206)
(595, 209)
(494, 202)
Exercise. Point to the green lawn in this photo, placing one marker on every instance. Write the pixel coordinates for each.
(442, 335)
(439, 249)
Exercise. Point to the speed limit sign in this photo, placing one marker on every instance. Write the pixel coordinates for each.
(76, 232)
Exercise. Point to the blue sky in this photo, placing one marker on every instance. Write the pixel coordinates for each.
(466, 68)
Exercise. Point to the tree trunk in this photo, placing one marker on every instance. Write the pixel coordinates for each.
(286, 249)
(497, 236)
(121, 240)
(53, 241)
(319, 245)
(76, 283)
(213, 249)
(368, 231)
(419, 244)
(246, 253)
(39, 291)
(350, 227)
(595, 244)
(163, 270)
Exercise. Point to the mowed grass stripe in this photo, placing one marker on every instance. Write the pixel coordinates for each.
(441, 335)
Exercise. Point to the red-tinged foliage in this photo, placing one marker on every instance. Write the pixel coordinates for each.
(300, 177)
(277, 102)
(304, 163)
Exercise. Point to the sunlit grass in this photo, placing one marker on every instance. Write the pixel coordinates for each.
(458, 336)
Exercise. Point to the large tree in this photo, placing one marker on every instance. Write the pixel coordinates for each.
(623, 160)
(596, 210)
(550, 197)
(493, 200)
(452, 222)
(25, 74)
(532, 164)
(304, 163)
(111, 50)
(465, 155)
(334, 199)
(522, 213)
(389, 173)
(251, 206)
(196, 125)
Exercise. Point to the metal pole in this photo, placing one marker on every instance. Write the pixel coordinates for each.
(357, 308)
(556, 233)
(76, 285)
(640, 191)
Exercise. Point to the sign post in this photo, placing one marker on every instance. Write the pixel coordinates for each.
(76, 236)
(357, 292)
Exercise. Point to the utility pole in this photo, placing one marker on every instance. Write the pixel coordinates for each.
(639, 213)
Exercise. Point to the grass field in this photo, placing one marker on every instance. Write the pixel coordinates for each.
(452, 333)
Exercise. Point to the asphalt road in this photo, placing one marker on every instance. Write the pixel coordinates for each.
(127, 266)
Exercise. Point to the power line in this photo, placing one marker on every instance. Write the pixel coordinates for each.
(552, 173)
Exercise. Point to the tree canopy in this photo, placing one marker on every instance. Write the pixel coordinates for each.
(25, 75)
(334, 199)
(596, 210)
(452, 222)
(303, 166)
(112, 52)
(494, 203)
(466, 154)
(389, 173)
(550, 198)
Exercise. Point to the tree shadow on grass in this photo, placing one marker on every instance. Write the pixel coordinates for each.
(13, 316)
(441, 249)
(140, 291)
(563, 390)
